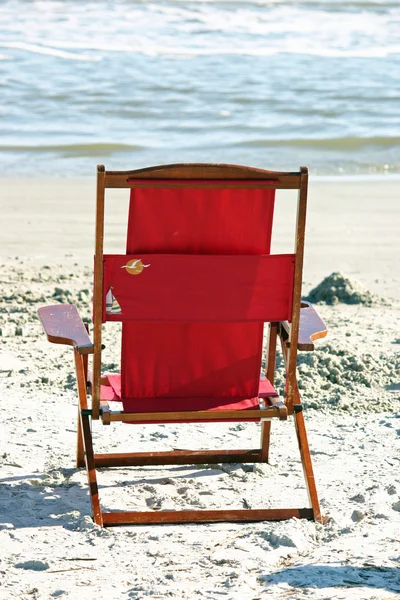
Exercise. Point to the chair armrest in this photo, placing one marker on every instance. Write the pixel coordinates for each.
(63, 325)
(311, 327)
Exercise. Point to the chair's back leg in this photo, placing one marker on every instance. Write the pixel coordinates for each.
(265, 439)
(80, 453)
(270, 375)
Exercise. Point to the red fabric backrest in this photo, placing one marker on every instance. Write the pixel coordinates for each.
(198, 287)
(200, 220)
(193, 359)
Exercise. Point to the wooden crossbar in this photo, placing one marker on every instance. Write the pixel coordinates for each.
(111, 519)
(194, 415)
(249, 175)
(177, 457)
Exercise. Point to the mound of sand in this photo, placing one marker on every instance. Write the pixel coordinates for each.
(337, 288)
(340, 377)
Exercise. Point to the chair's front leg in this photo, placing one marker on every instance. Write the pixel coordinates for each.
(303, 446)
(306, 462)
(85, 438)
(91, 469)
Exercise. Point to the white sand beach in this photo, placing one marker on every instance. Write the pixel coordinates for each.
(49, 546)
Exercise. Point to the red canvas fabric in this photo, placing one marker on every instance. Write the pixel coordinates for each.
(112, 392)
(193, 288)
(232, 220)
(195, 360)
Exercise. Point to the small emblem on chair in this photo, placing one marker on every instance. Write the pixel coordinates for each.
(112, 305)
(134, 266)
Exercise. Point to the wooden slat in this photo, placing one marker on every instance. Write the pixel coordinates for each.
(120, 179)
(63, 325)
(112, 519)
(177, 457)
(311, 327)
(194, 415)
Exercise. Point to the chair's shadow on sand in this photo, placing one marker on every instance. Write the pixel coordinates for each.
(41, 504)
(338, 576)
(37, 502)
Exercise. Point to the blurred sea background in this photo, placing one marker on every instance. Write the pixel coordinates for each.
(132, 83)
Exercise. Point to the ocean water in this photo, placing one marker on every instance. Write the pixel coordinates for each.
(132, 83)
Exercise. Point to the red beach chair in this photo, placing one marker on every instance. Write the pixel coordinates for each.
(193, 291)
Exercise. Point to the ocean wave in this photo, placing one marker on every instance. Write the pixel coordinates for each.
(377, 52)
(67, 50)
(86, 149)
(101, 148)
(339, 143)
(48, 50)
(325, 4)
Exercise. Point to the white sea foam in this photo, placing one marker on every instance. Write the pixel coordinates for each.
(47, 50)
(149, 48)
(259, 29)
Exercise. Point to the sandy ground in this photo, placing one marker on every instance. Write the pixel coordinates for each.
(350, 385)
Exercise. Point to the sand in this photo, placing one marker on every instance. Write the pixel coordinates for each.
(49, 546)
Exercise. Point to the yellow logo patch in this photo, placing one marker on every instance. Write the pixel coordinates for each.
(134, 266)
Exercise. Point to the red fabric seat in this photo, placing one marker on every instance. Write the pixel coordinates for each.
(112, 393)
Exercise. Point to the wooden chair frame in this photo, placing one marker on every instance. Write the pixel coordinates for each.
(63, 325)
